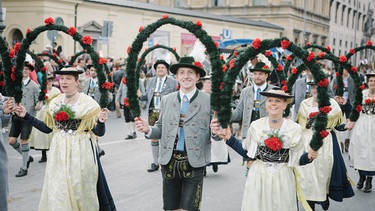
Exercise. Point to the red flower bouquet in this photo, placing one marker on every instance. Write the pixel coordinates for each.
(273, 143)
(64, 113)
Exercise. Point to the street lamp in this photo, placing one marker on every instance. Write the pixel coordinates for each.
(2, 26)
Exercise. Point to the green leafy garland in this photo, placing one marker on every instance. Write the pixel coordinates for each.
(133, 51)
(40, 66)
(53, 57)
(13, 76)
(2, 82)
(75, 56)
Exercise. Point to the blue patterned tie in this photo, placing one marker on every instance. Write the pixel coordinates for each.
(257, 98)
(181, 137)
(159, 85)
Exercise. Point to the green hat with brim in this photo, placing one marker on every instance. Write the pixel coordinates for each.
(161, 62)
(260, 66)
(69, 70)
(188, 62)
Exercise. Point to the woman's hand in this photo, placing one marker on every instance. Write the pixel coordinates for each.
(103, 116)
(349, 125)
(312, 154)
(20, 110)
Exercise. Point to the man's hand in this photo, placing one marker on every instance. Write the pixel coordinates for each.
(141, 125)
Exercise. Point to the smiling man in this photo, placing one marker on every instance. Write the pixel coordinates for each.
(184, 133)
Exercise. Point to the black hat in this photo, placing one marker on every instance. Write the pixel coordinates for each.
(260, 66)
(50, 76)
(372, 74)
(207, 77)
(278, 93)
(189, 62)
(311, 83)
(29, 65)
(161, 62)
(69, 70)
(89, 66)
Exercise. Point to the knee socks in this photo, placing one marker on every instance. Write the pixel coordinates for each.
(155, 152)
(17, 147)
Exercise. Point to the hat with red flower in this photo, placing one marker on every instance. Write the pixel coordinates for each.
(260, 66)
(188, 62)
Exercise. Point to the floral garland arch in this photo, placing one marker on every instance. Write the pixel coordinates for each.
(51, 56)
(39, 65)
(13, 76)
(259, 46)
(2, 83)
(145, 32)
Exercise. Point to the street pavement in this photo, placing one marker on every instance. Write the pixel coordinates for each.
(134, 189)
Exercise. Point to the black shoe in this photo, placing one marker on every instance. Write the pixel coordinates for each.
(43, 159)
(362, 180)
(153, 167)
(215, 168)
(31, 159)
(368, 185)
(21, 173)
(101, 153)
(325, 204)
(129, 137)
(135, 135)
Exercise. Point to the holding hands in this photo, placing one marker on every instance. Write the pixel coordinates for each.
(141, 125)
(312, 154)
(8, 106)
(224, 133)
(103, 116)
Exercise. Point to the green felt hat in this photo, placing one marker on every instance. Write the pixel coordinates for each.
(189, 62)
(260, 66)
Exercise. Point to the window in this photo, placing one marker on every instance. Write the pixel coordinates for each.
(218, 3)
(334, 41)
(258, 3)
(179, 3)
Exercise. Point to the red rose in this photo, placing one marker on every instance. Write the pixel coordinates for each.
(351, 51)
(128, 50)
(59, 61)
(288, 58)
(368, 101)
(198, 23)
(174, 49)
(362, 87)
(279, 67)
(273, 143)
(337, 74)
(107, 85)
(310, 57)
(49, 21)
(110, 74)
(224, 68)
(45, 97)
(328, 48)
(283, 82)
(165, 16)
(102, 60)
(313, 114)
(44, 69)
(369, 43)
(266, 67)
(353, 69)
(140, 29)
(308, 43)
(325, 109)
(268, 53)
(321, 54)
(323, 133)
(221, 57)
(235, 54)
(343, 59)
(285, 44)
(2, 83)
(126, 102)
(221, 85)
(28, 31)
(358, 108)
(17, 47)
(335, 86)
(72, 31)
(231, 63)
(323, 83)
(198, 64)
(45, 91)
(123, 80)
(256, 43)
(12, 53)
(138, 60)
(86, 40)
(285, 88)
(60, 116)
(294, 71)
(13, 77)
(216, 44)
(156, 45)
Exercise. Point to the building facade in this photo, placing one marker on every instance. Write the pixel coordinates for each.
(114, 24)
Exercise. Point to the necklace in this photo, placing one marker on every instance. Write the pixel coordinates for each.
(372, 91)
(275, 121)
(70, 96)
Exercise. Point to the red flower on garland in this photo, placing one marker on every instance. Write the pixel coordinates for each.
(328, 48)
(13, 77)
(283, 82)
(285, 88)
(285, 44)
(178, 87)
(294, 71)
(279, 67)
(12, 53)
(335, 86)
(288, 58)
(49, 21)
(369, 43)
(45, 91)
(310, 57)
(325, 109)
(17, 46)
(198, 64)
(323, 83)
(140, 29)
(323, 133)
(235, 54)
(308, 43)
(61, 116)
(354, 69)
(342, 59)
(221, 57)
(123, 80)
(313, 114)
(126, 102)
(337, 74)
(72, 31)
(358, 108)
(268, 53)
(369, 101)
(216, 44)
(351, 51)
(45, 97)
(128, 50)
(198, 23)
(256, 43)
(224, 68)
(156, 45)
(138, 59)
(28, 31)
(107, 85)
(44, 69)
(273, 143)
(165, 16)
(2, 83)
(221, 85)
(86, 40)
(59, 61)
(174, 49)
(54, 55)
(102, 60)
(110, 74)
(321, 54)
(231, 63)
(362, 86)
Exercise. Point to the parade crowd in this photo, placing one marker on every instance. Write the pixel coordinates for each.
(185, 134)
